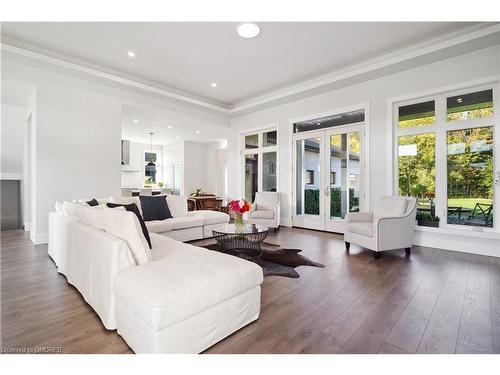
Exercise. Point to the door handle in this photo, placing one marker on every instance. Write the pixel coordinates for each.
(327, 191)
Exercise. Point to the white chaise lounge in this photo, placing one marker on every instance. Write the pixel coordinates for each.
(180, 299)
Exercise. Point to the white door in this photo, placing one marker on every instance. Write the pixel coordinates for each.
(328, 177)
(308, 207)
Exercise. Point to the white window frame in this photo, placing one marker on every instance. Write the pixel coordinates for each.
(440, 128)
(259, 151)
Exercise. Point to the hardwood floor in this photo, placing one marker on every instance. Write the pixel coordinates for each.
(435, 301)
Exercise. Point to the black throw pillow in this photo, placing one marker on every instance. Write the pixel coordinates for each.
(132, 207)
(155, 208)
(93, 202)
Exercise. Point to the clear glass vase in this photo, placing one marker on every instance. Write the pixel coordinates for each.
(238, 220)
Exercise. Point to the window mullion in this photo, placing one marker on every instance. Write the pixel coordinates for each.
(441, 162)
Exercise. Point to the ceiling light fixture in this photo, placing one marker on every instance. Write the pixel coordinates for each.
(131, 54)
(197, 132)
(136, 121)
(248, 30)
(170, 126)
(213, 84)
(177, 137)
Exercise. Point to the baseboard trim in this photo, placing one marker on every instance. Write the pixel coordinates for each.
(463, 244)
(39, 238)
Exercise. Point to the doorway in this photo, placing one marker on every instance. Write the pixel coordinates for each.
(328, 178)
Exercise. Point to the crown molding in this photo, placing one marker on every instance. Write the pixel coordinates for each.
(370, 66)
(102, 74)
(303, 89)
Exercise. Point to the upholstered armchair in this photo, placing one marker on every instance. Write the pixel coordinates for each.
(265, 210)
(390, 226)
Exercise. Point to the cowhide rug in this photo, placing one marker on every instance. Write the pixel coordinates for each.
(277, 261)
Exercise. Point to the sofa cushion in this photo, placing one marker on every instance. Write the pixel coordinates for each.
(127, 200)
(362, 228)
(177, 205)
(154, 208)
(132, 207)
(389, 206)
(167, 225)
(262, 214)
(125, 225)
(210, 217)
(184, 281)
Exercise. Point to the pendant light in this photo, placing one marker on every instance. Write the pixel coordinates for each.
(151, 163)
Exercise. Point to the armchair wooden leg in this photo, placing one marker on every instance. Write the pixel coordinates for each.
(376, 254)
(275, 230)
(347, 246)
(408, 250)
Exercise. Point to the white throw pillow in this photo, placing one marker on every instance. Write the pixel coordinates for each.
(70, 209)
(125, 225)
(59, 208)
(177, 205)
(127, 200)
(92, 216)
(99, 200)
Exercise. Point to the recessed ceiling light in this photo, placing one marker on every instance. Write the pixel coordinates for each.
(177, 137)
(170, 126)
(131, 54)
(459, 100)
(197, 132)
(136, 121)
(248, 30)
(213, 84)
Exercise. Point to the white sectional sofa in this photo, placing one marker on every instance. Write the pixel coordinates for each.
(181, 299)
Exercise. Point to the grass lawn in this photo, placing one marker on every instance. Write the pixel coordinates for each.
(467, 202)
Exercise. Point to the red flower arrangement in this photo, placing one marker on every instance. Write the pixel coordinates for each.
(239, 206)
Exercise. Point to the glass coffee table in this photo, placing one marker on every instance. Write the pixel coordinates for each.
(244, 240)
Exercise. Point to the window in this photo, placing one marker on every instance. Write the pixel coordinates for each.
(352, 117)
(270, 138)
(252, 141)
(260, 151)
(269, 171)
(417, 167)
(419, 114)
(470, 106)
(309, 177)
(469, 175)
(251, 176)
(459, 132)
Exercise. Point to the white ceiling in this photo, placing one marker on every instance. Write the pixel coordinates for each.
(183, 127)
(187, 57)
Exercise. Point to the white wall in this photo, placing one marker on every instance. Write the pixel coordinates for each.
(195, 166)
(172, 153)
(13, 131)
(476, 65)
(77, 133)
(77, 153)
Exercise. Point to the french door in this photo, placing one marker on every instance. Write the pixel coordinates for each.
(328, 177)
